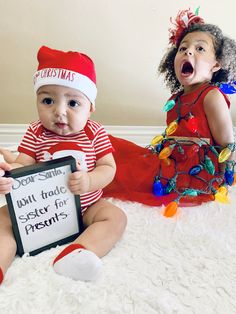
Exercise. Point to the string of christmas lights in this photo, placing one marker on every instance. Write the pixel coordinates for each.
(163, 145)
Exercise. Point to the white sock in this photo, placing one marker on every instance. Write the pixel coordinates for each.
(78, 263)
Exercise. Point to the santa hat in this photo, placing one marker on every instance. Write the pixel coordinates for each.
(70, 69)
(63, 146)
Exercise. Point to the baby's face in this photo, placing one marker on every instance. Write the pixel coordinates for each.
(63, 110)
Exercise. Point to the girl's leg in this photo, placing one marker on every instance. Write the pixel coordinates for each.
(105, 224)
(7, 241)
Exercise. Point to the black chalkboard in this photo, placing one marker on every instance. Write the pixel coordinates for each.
(43, 211)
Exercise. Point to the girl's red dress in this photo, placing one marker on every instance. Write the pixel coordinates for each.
(137, 167)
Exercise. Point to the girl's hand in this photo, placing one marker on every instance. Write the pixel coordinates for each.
(5, 183)
(79, 181)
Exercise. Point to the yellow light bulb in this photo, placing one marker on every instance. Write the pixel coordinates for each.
(221, 198)
(224, 154)
(222, 190)
(157, 139)
(171, 128)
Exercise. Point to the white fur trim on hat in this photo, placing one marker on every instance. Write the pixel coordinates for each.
(63, 77)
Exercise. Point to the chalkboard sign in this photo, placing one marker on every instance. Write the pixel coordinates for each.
(43, 211)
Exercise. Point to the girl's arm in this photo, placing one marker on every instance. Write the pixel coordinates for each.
(219, 118)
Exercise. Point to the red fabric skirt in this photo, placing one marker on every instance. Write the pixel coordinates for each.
(137, 168)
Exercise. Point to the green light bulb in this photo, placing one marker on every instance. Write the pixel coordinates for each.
(208, 165)
(169, 105)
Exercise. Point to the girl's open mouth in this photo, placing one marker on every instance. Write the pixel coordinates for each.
(187, 68)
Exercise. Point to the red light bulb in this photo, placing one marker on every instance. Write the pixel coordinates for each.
(192, 124)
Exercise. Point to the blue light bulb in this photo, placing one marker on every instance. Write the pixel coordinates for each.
(157, 188)
(229, 176)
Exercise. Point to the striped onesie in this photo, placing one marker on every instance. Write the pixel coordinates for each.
(89, 145)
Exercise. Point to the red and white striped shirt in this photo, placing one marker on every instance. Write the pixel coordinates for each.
(89, 145)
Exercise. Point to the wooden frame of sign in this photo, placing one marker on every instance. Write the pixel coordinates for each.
(44, 213)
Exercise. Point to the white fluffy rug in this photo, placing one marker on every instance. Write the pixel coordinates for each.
(185, 264)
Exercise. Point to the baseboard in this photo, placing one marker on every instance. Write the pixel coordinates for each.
(141, 135)
(11, 134)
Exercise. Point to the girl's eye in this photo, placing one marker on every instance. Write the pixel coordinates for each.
(182, 49)
(200, 49)
(73, 103)
(47, 101)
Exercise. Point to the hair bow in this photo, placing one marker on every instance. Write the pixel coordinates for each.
(184, 19)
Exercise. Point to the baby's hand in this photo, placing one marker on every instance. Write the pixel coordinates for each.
(5, 183)
(79, 182)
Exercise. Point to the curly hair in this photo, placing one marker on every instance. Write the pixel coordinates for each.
(225, 52)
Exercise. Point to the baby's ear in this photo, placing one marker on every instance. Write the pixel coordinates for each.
(216, 67)
(92, 108)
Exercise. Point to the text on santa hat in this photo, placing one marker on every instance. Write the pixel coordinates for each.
(60, 74)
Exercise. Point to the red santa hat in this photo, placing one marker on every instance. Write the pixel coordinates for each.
(64, 146)
(70, 69)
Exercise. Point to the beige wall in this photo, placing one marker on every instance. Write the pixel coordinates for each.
(126, 39)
